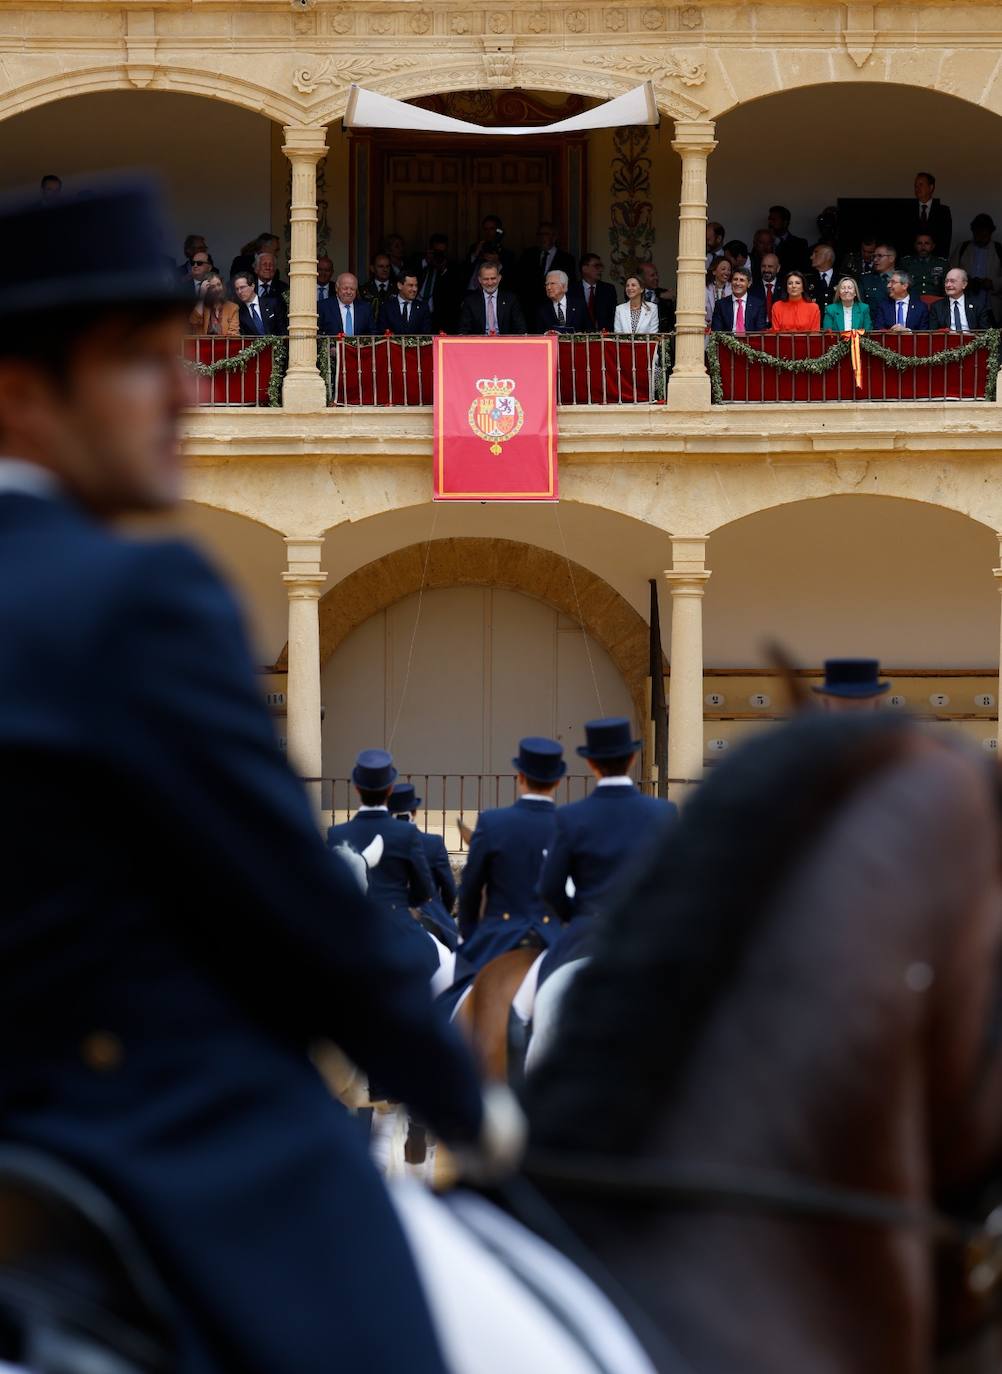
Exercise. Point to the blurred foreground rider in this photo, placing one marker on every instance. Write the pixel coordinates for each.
(165, 965)
(437, 911)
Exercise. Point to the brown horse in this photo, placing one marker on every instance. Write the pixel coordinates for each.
(485, 1015)
(784, 1062)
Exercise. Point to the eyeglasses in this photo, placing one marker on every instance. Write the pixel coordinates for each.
(200, 262)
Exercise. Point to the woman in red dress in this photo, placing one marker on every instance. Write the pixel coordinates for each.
(795, 315)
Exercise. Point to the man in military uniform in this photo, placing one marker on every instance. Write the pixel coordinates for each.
(873, 284)
(499, 908)
(167, 964)
(926, 269)
(852, 684)
(437, 910)
(596, 838)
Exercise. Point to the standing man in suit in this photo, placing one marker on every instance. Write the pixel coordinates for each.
(381, 287)
(535, 266)
(768, 289)
(138, 1048)
(325, 270)
(902, 311)
(930, 215)
(655, 295)
(499, 907)
(596, 838)
(404, 312)
(440, 284)
(269, 283)
(740, 312)
(489, 310)
(820, 280)
(437, 910)
(562, 314)
(791, 251)
(597, 296)
(961, 311)
(258, 316)
(344, 313)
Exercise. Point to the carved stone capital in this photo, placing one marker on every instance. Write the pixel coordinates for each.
(304, 143)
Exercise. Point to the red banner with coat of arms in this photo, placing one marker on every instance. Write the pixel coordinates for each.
(496, 419)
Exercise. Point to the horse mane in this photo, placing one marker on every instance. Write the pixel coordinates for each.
(676, 936)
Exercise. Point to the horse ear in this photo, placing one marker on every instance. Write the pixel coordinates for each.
(373, 852)
(569, 888)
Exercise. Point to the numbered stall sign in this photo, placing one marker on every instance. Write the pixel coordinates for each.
(760, 701)
(984, 699)
(715, 699)
(991, 744)
(939, 700)
(717, 746)
(897, 702)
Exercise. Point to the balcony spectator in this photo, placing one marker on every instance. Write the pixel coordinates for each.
(763, 243)
(258, 316)
(796, 314)
(344, 312)
(636, 315)
(930, 216)
(597, 296)
(736, 253)
(381, 286)
(194, 245)
(396, 250)
(264, 243)
(491, 239)
(489, 310)
(198, 268)
(440, 283)
(214, 316)
(562, 314)
(821, 277)
(791, 251)
(925, 267)
(902, 312)
(961, 311)
(714, 242)
(718, 285)
(325, 270)
(405, 312)
(739, 313)
(859, 261)
(768, 288)
(50, 189)
(269, 283)
(536, 263)
(847, 311)
(981, 258)
(873, 287)
(662, 298)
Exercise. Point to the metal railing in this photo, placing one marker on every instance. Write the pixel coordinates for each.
(233, 372)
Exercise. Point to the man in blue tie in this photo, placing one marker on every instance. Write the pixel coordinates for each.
(344, 313)
(901, 312)
(256, 316)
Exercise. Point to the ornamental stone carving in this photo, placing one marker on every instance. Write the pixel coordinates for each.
(342, 71)
(459, 24)
(342, 22)
(420, 22)
(380, 23)
(537, 23)
(499, 23)
(690, 17)
(616, 20)
(688, 70)
(499, 63)
(576, 20)
(653, 19)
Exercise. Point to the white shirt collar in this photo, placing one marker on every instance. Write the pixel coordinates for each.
(372, 808)
(19, 476)
(537, 796)
(614, 782)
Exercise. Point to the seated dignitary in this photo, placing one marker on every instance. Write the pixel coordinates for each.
(847, 311)
(598, 296)
(636, 315)
(489, 310)
(821, 277)
(437, 910)
(562, 314)
(138, 1046)
(595, 839)
(257, 316)
(344, 313)
(873, 284)
(214, 316)
(795, 314)
(739, 313)
(499, 907)
(902, 311)
(961, 310)
(404, 312)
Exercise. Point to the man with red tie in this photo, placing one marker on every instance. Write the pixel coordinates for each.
(739, 313)
(597, 296)
(768, 289)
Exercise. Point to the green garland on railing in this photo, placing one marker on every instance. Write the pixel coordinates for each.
(990, 339)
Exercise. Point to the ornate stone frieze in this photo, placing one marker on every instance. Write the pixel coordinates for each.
(690, 17)
(499, 61)
(342, 71)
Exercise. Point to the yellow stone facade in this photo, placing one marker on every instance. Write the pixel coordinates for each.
(677, 474)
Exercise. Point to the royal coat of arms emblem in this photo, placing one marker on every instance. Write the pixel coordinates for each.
(496, 415)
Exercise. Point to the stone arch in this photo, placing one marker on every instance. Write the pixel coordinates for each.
(483, 562)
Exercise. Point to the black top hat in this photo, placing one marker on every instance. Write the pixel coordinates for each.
(402, 798)
(611, 738)
(373, 770)
(98, 250)
(540, 759)
(852, 677)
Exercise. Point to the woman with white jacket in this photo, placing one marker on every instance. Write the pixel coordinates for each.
(635, 315)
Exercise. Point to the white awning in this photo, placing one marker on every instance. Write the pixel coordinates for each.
(368, 110)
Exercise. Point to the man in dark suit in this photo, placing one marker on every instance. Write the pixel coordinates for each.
(489, 310)
(596, 838)
(562, 314)
(269, 283)
(437, 910)
(167, 965)
(902, 310)
(769, 288)
(258, 315)
(930, 215)
(597, 296)
(499, 907)
(791, 251)
(404, 312)
(441, 283)
(819, 281)
(344, 313)
(961, 311)
(740, 312)
(536, 263)
(381, 287)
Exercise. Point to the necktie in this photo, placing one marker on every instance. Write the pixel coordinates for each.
(492, 319)
(560, 313)
(901, 312)
(590, 301)
(349, 320)
(768, 303)
(407, 312)
(956, 317)
(256, 317)
(925, 214)
(739, 316)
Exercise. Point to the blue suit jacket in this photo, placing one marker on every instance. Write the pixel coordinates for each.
(916, 316)
(755, 320)
(593, 842)
(329, 319)
(192, 912)
(438, 908)
(402, 878)
(576, 320)
(391, 317)
(505, 857)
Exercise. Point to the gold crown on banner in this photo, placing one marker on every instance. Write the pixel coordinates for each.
(495, 386)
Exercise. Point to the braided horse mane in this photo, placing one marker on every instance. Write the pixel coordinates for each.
(675, 940)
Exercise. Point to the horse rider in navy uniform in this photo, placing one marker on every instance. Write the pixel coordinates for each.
(596, 838)
(852, 684)
(401, 881)
(437, 910)
(505, 856)
(168, 963)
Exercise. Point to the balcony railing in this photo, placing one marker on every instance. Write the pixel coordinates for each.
(236, 373)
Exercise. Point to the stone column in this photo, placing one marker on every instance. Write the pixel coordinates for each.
(304, 581)
(303, 388)
(687, 581)
(689, 386)
(998, 691)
